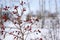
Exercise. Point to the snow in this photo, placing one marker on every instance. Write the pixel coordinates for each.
(8, 37)
(9, 24)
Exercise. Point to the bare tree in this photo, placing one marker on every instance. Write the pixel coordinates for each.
(56, 6)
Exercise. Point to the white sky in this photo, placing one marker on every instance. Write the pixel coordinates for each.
(34, 4)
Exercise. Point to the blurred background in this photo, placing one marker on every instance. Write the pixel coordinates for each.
(34, 6)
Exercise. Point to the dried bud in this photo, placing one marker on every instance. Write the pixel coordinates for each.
(41, 39)
(21, 3)
(11, 33)
(14, 12)
(6, 8)
(2, 32)
(15, 22)
(39, 31)
(16, 7)
(24, 9)
(30, 28)
(5, 17)
(18, 33)
(14, 37)
(24, 2)
(37, 20)
(27, 26)
(3, 28)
